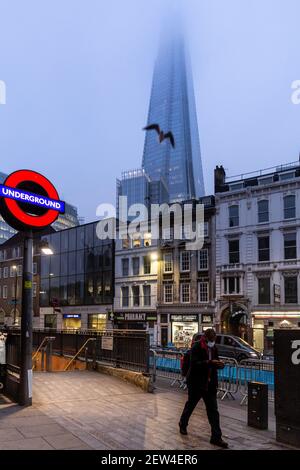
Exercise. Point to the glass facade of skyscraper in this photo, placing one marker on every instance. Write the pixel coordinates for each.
(172, 106)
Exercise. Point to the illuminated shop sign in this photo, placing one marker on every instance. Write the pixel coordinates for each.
(28, 200)
(136, 316)
(184, 318)
(72, 315)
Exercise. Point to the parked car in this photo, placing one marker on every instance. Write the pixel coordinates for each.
(234, 347)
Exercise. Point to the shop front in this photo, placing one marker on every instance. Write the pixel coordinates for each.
(183, 327)
(137, 321)
(265, 322)
(71, 321)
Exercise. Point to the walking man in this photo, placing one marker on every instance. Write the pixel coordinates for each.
(202, 382)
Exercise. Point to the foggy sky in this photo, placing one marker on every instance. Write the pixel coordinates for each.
(78, 77)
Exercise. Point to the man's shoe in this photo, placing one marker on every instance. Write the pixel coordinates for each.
(219, 443)
(182, 429)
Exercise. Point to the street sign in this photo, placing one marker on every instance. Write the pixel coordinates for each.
(28, 200)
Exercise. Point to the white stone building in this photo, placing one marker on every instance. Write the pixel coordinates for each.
(257, 253)
(135, 302)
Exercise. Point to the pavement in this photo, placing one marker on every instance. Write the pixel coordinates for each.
(87, 410)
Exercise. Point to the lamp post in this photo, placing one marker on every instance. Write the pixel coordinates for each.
(25, 395)
(15, 268)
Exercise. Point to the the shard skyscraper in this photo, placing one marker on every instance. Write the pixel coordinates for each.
(172, 106)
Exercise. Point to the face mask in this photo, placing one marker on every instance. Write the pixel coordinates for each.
(211, 344)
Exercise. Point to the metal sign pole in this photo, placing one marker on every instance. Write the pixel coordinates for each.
(25, 393)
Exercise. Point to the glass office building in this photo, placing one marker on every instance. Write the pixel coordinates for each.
(77, 280)
(172, 106)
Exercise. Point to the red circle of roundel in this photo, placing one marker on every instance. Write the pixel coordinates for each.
(35, 221)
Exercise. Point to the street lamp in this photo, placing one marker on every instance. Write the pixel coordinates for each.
(15, 268)
(45, 248)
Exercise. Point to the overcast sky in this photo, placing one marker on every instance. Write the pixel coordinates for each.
(78, 77)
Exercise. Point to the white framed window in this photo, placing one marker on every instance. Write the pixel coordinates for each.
(147, 295)
(125, 296)
(168, 263)
(289, 205)
(263, 211)
(184, 261)
(168, 293)
(34, 289)
(5, 272)
(34, 269)
(147, 239)
(185, 293)
(136, 243)
(203, 229)
(12, 271)
(20, 269)
(203, 291)
(4, 292)
(233, 215)
(203, 259)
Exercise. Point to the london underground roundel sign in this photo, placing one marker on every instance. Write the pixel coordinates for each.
(28, 200)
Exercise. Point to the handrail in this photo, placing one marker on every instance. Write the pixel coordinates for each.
(78, 352)
(40, 346)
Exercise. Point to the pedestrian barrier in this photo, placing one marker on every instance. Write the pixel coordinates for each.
(228, 378)
(233, 379)
(253, 370)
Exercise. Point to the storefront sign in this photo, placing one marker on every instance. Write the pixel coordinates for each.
(72, 315)
(107, 342)
(185, 318)
(207, 318)
(143, 317)
(277, 293)
(28, 200)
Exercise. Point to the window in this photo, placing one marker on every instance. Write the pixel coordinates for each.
(290, 246)
(291, 289)
(5, 272)
(233, 216)
(125, 266)
(203, 292)
(135, 266)
(13, 271)
(203, 259)
(264, 248)
(136, 243)
(34, 269)
(147, 265)
(232, 285)
(168, 263)
(264, 292)
(147, 295)
(185, 293)
(20, 269)
(168, 293)
(136, 296)
(287, 176)
(125, 296)
(0, 273)
(289, 204)
(147, 239)
(4, 292)
(184, 261)
(34, 289)
(126, 243)
(234, 251)
(206, 229)
(263, 211)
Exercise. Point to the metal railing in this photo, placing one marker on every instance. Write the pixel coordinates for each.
(233, 379)
(253, 370)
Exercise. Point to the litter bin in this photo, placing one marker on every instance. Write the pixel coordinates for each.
(258, 405)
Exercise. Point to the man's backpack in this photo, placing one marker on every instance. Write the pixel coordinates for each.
(185, 363)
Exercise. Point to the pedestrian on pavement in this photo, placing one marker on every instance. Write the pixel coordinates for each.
(202, 382)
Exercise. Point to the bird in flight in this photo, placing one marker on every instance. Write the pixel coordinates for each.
(162, 136)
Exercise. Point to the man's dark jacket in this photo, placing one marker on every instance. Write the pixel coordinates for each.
(202, 374)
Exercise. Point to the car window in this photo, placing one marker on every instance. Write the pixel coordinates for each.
(228, 341)
(218, 339)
